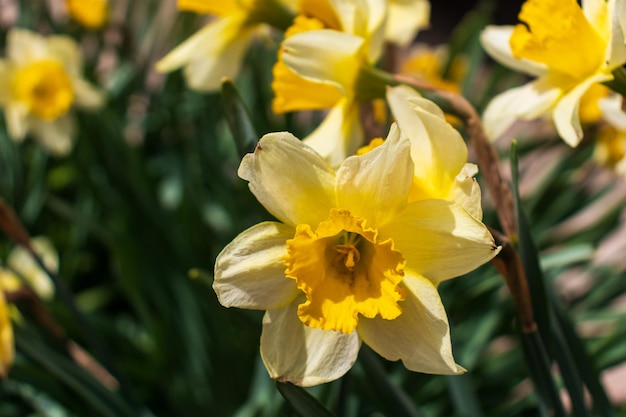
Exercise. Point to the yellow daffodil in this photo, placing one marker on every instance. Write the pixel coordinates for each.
(568, 48)
(325, 65)
(92, 14)
(7, 347)
(217, 50)
(610, 145)
(40, 81)
(351, 260)
(405, 18)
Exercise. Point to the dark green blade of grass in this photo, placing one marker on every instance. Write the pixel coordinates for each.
(397, 401)
(238, 118)
(303, 403)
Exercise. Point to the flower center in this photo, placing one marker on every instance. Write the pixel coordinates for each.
(45, 88)
(557, 33)
(344, 270)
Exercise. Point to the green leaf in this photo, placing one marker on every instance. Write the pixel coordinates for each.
(398, 402)
(101, 400)
(463, 395)
(238, 118)
(303, 403)
(530, 260)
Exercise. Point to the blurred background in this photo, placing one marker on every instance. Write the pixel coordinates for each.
(149, 196)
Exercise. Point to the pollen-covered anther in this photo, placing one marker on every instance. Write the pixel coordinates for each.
(349, 254)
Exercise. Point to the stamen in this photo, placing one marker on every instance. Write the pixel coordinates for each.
(350, 254)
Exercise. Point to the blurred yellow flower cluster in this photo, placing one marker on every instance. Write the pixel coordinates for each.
(40, 82)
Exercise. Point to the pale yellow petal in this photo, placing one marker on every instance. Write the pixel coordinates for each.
(466, 191)
(215, 51)
(24, 46)
(309, 55)
(18, 120)
(616, 51)
(420, 336)
(376, 185)
(440, 239)
(250, 273)
(406, 18)
(495, 41)
(56, 137)
(305, 356)
(67, 52)
(206, 74)
(612, 111)
(86, 95)
(290, 179)
(526, 102)
(566, 115)
(7, 349)
(339, 135)
(437, 148)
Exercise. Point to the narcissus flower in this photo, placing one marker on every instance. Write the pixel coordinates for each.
(40, 82)
(325, 63)
(92, 14)
(350, 260)
(568, 48)
(217, 50)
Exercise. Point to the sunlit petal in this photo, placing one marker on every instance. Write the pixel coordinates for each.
(290, 179)
(250, 273)
(293, 352)
(440, 239)
(420, 336)
(376, 185)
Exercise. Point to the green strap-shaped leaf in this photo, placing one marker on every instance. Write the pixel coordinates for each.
(533, 343)
(303, 403)
(238, 118)
(102, 401)
(530, 260)
(398, 402)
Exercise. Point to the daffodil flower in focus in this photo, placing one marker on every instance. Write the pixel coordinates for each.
(326, 62)
(92, 14)
(350, 260)
(40, 82)
(217, 50)
(569, 48)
